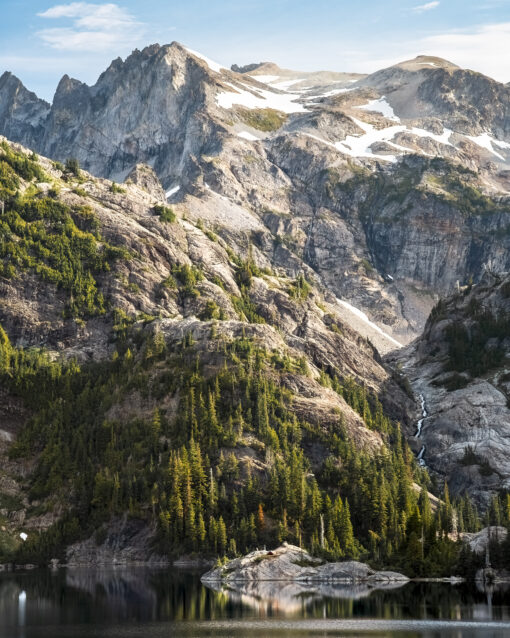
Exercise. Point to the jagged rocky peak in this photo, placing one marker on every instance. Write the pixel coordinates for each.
(311, 160)
(21, 111)
(248, 68)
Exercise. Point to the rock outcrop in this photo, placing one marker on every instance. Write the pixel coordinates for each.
(290, 564)
(123, 542)
(477, 541)
(144, 176)
(460, 367)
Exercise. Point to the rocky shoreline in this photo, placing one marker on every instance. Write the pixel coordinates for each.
(293, 564)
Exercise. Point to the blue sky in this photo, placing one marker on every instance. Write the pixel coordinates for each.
(42, 40)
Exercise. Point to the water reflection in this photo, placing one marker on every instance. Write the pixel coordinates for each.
(279, 598)
(144, 602)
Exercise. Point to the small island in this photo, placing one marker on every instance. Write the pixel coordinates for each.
(292, 564)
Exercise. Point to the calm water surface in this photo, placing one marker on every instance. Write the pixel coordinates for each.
(143, 603)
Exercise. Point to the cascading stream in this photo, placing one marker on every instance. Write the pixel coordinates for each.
(419, 427)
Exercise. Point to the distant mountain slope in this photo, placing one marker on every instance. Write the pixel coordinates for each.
(145, 363)
(340, 168)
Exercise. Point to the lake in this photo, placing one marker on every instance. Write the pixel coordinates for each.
(146, 603)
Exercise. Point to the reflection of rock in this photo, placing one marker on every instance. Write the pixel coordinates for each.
(291, 564)
(120, 587)
(488, 577)
(276, 596)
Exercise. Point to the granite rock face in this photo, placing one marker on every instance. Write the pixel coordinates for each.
(465, 426)
(291, 563)
(478, 541)
(344, 181)
(144, 176)
(126, 542)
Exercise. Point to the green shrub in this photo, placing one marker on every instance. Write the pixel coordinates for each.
(115, 188)
(73, 166)
(263, 119)
(165, 213)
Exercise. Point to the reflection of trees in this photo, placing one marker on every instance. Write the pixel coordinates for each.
(411, 601)
(138, 594)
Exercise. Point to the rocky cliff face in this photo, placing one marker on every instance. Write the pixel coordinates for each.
(22, 113)
(172, 279)
(382, 192)
(334, 170)
(460, 368)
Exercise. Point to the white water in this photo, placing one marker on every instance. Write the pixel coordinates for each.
(423, 416)
(419, 427)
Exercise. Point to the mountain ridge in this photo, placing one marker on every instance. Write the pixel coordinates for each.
(203, 314)
(195, 123)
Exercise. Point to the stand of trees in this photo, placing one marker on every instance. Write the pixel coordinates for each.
(187, 472)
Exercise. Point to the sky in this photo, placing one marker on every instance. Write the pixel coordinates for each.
(42, 40)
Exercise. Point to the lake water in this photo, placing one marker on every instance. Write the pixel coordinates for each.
(144, 603)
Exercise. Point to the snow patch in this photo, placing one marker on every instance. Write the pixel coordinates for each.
(363, 317)
(277, 82)
(265, 79)
(328, 94)
(248, 136)
(444, 138)
(486, 141)
(286, 84)
(428, 64)
(359, 145)
(264, 99)
(382, 106)
(214, 66)
(172, 191)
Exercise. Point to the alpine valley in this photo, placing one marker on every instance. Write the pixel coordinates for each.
(253, 305)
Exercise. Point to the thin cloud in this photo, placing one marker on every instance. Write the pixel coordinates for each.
(426, 7)
(478, 49)
(94, 27)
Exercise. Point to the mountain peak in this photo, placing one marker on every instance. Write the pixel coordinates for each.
(248, 68)
(421, 62)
